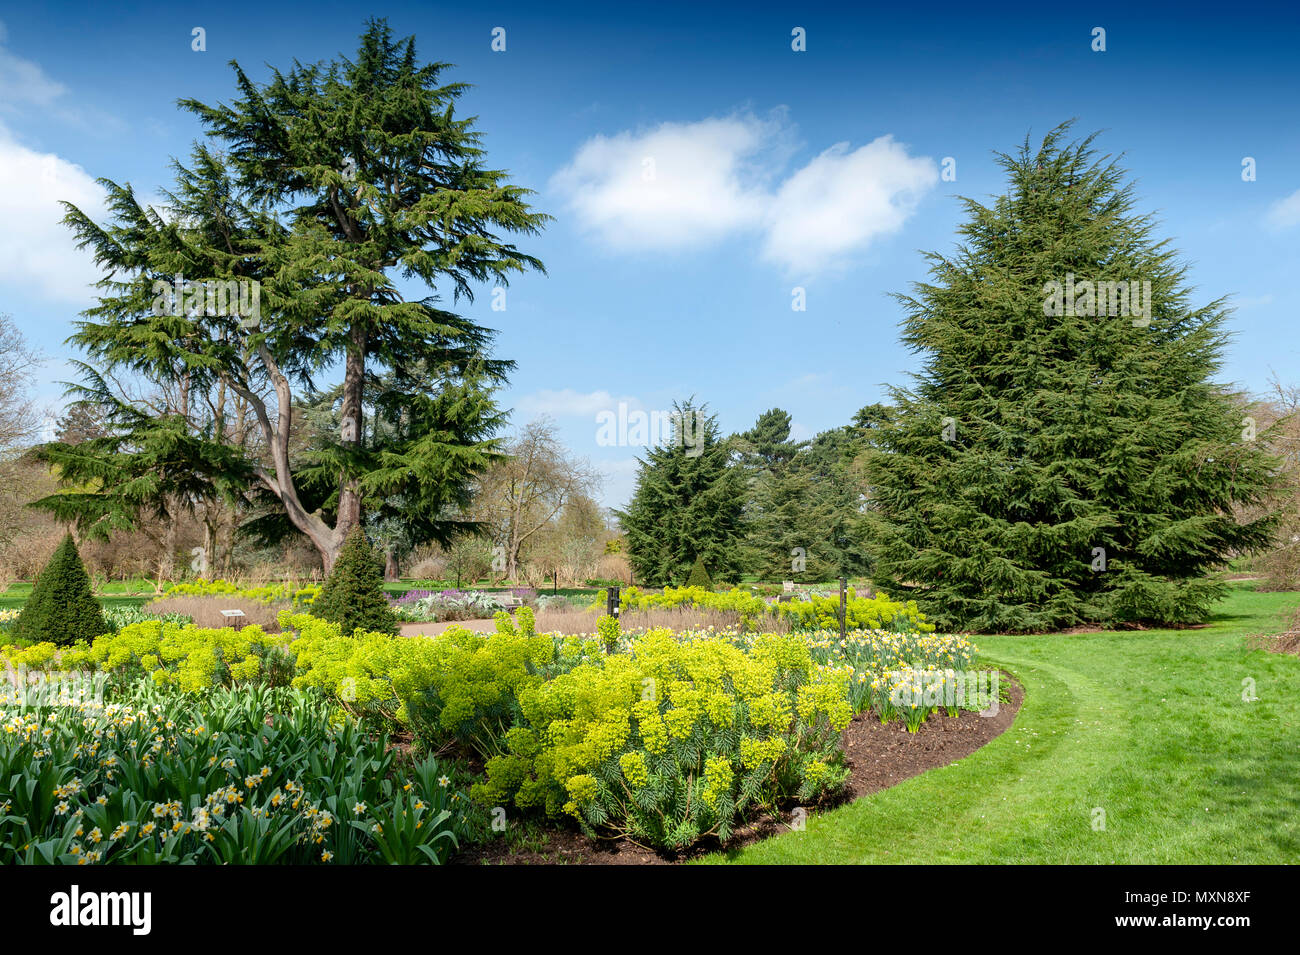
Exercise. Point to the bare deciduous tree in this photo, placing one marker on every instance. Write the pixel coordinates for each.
(524, 494)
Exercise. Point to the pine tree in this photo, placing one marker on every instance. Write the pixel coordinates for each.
(62, 609)
(687, 504)
(1064, 456)
(767, 447)
(353, 594)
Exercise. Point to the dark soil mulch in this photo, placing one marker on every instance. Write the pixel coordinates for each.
(878, 757)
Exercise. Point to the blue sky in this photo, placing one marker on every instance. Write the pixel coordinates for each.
(769, 169)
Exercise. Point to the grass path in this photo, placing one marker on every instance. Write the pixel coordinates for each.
(1149, 726)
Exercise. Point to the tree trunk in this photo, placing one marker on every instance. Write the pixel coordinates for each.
(209, 546)
(280, 480)
(329, 554)
(351, 412)
(230, 517)
(390, 566)
(167, 560)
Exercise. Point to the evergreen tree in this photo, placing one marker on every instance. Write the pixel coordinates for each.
(353, 594)
(834, 502)
(327, 184)
(687, 504)
(1064, 456)
(62, 608)
(767, 447)
(765, 454)
(804, 512)
(699, 575)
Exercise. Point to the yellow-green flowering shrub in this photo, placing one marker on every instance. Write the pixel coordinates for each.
(863, 613)
(172, 654)
(816, 613)
(751, 607)
(456, 685)
(266, 594)
(609, 631)
(677, 739)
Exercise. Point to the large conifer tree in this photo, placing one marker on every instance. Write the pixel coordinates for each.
(327, 184)
(1062, 459)
(687, 505)
(803, 512)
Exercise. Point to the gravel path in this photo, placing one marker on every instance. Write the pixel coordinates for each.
(428, 629)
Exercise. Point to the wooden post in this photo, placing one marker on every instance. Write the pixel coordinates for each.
(844, 605)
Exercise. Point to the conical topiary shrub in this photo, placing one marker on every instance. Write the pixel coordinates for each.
(62, 609)
(699, 575)
(353, 594)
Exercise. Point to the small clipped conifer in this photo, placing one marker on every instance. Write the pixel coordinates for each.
(699, 575)
(62, 609)
(353, 594)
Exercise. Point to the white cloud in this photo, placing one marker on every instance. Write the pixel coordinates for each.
(24, 83)
(1285, 213)
(687, 185)
(842, 200)
(567, 403)
(678, 185)
(37, 252)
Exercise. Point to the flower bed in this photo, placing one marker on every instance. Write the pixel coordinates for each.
(808, 612)
(662, 737)
(246, 776)
(266, 594)
(424, 606)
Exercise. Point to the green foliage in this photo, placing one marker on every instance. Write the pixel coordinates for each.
(677, 739)
(61, 609)
(362, 163)
(456, 686)
(803, 516)
(140, 467)
(171, 654)
(721, 729)
(1056, 466)
(687, 504)
(446, 605)
(751, 607)
(526, 621)
(119, 617)
(250, 776)
(699, 575)
(816, 612)
(353, 595)
(303, 596)
(607, 627)
(820, 612)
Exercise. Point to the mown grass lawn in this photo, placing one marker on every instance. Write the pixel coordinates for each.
(17, 594)
(1148, 726)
